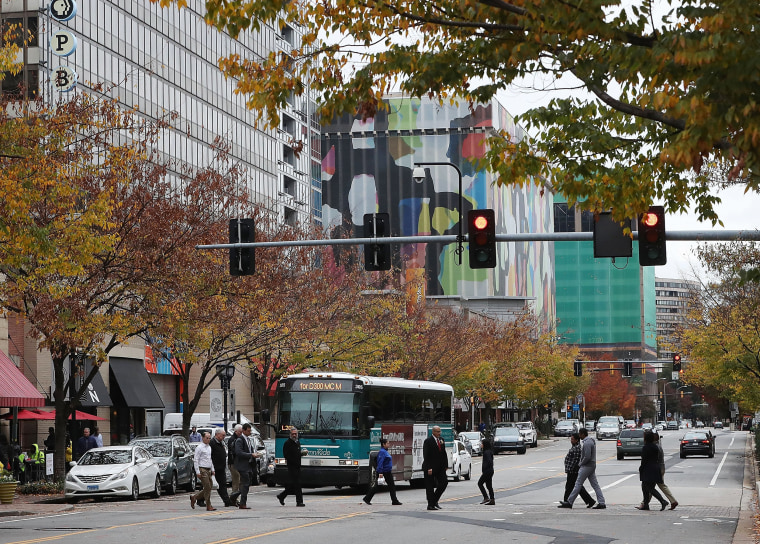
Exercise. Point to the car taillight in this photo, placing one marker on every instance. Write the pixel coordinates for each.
(619, 443)
(684, 441)
(705, 441)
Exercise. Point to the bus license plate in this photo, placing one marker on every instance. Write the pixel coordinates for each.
(92, 488)
(315, 462)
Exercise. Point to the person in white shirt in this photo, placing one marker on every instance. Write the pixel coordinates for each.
(204, 468)
(97, 436)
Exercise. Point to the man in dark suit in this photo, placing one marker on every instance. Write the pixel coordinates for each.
(292, 452)
(219, 459)
(244, 455)
(435, 462)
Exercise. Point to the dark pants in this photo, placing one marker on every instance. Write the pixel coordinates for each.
(221, 480)
(570, 484)
(435, 485)
(649, 491)
(293, 486)
(486, 482)
(245, 483)
(391, 488)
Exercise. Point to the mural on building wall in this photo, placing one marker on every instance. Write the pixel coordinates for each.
(367, 167)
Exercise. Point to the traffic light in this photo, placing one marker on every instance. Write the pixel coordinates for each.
(577, 368)
(676, 362)
(652, 237)
(242, 260)
(627, 369)
(377, 256)
(481, 231)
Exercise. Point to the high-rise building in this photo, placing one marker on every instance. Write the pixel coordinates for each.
(672, 303)
(162, 61)
(368, 166)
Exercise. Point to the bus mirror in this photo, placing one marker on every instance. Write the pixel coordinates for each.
(370, 422)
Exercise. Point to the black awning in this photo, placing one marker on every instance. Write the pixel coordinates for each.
(97, 393)
(136, 386)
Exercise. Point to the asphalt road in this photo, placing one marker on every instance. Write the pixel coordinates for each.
(709, 492)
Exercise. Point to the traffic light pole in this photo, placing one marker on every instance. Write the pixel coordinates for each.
(460, 237)
(684, 235)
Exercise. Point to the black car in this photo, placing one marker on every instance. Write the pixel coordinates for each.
(696, 443)
(174, 458)
(508, 439)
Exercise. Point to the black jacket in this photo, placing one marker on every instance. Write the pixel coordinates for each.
(291, 450)
(433, 457)
(487, 461)
(649, 471)
(218, 455)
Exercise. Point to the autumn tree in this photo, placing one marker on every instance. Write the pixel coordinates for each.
(722, 338)
(609, 393)
(92, 224)
(662, 97)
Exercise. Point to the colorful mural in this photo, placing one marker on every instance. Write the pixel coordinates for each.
(367, 167)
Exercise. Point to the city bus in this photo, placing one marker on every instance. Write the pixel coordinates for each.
(341, 417)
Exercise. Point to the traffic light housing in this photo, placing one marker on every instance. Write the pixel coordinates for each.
(577, 368)
(242, 260)
(377, 256)
(652, 237)
(627, 369)
(676, 362)
(481, 232)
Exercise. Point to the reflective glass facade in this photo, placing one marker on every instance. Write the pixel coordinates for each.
(165, 60)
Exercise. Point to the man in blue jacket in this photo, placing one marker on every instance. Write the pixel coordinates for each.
(384, 467)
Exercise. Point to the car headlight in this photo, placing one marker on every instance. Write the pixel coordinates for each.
(70, 477)
(121, 475)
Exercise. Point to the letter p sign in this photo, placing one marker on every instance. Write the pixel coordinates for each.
(63, 43)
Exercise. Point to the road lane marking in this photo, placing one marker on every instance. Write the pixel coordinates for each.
(620, 481)
(39, 517)
(717, 471)
(66, 535)
(270, 533)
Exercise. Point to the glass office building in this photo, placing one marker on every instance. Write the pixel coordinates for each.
(165, 60)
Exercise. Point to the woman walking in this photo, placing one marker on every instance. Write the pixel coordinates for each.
(649, 473)
(486, 479)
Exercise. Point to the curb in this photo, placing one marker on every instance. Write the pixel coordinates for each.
(745, 525)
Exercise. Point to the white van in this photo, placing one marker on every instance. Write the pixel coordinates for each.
(173, 422)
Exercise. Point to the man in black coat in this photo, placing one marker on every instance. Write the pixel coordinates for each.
(435, 462)
(219, 459)
(292, 452)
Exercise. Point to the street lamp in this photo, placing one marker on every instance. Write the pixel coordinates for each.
(665, 398)
(225, 371)
(419, 176)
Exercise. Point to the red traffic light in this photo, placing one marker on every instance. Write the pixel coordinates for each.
(480, 222)
(481, 230)
(650, 219)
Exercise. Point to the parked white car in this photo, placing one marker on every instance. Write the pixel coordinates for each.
(528, 432)
(461, 462)
(475, 441)
(126, 471)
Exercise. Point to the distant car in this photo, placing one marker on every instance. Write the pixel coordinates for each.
(630, 424)
(590, 425)
(672, 425)
(461, 462)
(566, 427)
(528, 432)
(630, 442)
(474, 439)
(607, 429)
(508, 439)
(660, 425)
(696, 443)
(175, 461)
(699, 425)
(718, 425)
(113, 471)
(647, 427)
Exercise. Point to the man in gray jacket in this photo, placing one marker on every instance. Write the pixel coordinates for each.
(586, 471)
(244, 455)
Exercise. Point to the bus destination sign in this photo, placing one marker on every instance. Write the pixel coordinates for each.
(306, 384)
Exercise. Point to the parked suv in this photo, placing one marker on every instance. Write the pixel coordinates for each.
(174, 458)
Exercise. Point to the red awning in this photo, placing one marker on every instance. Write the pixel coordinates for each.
(15, 389)
(24, 414)
(81, 416)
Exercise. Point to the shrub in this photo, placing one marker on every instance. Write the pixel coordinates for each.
(41, 487)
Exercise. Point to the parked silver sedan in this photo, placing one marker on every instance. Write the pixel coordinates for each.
(475, 441)
(113, 471)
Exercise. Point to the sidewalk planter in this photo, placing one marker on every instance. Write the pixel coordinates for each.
(7, 492)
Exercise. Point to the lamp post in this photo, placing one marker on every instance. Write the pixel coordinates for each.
(419, 175)
(664, 413)
(225, 371)
(665, 398)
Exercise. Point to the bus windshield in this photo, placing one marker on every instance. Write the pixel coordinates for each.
(324, 413)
